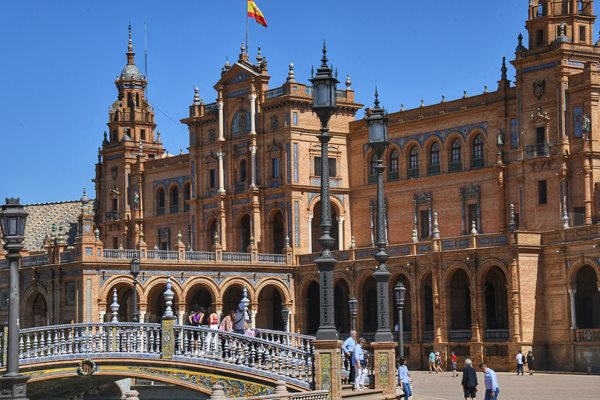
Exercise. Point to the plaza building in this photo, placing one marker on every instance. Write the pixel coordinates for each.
(491, 210)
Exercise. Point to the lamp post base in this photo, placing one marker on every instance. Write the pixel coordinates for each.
(13, 387)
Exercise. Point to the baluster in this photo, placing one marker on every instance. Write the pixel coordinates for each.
(49, 344)
(21, 347)
(104, 338)
(186, 342)
(42, 344)
(272, 357)
(252, 354)
(69, 342)
(151, 341)
(56, 343)
(227, 349)
(157, 340)
(288, 363)
(28, 346)
(63, 342)
(35, 344)
(260, 356)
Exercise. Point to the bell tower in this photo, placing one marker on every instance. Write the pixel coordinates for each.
(553, 21)
(130, 140)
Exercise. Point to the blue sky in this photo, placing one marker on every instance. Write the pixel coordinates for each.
(60, 59)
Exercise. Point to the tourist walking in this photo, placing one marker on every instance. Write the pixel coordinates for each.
(360, 364)
(213, 324)
(530, 362)
(453, 363)
(469, 380)
(520, 361)
(491, 383)
(438, 363)
(404, 380)
(432, 362)
(227, 322)
(239, 324)
(348, 349)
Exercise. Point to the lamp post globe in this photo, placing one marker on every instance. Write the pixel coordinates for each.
(13, 218)
(399, 294)
(376, 121)
(324, 104)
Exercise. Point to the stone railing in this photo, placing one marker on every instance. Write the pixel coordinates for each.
(459, 335)
(571, 235)
(295, 340)
(237, 257)
(31, 261)
(294, 364)
(587, 335)
(120, 254)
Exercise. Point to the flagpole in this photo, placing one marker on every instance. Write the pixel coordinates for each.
(246, 27)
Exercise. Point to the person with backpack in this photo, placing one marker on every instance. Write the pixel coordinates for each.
(239, 325)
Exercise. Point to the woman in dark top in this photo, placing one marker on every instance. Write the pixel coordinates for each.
(469, 380)
(530, 360)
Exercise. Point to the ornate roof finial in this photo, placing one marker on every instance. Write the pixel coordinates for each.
(436, 229)
(473, 228)
(105, 140)
(291, 78)
(422, 103)
(520, 46)
(259, 57)
(140, 148)
(348, 82)
(485, 89)
(196, 96)
(130, 52)
(324, 59)
(503, 70)
(401, 107)
(376, 102)
(443, 99)
(84, 198)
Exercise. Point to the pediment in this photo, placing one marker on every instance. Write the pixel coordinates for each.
(237, 73)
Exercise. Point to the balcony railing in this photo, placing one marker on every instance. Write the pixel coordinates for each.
(477, 163)
(537, 150)
(199, 256)
(406, 334)
(496, 335)
(275, 92)
(111, 216)
(412, 173)
(455, 166)
(428, 336)
(271, 258)
(587, 335)
(164, 255)
(120, 254)
(393, 175)
(460, 335)
(433, 170)
(237, 257)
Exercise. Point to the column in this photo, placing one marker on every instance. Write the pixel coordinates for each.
(221, 122)
(587, 196)
(573, 311)
(340, 233)
(515, 300)
(221, 174)
(253, 166)
(253, 114)
(309, 236)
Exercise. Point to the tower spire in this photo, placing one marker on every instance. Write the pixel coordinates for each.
(130, 53)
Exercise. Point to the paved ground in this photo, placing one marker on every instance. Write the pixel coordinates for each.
(512, 387)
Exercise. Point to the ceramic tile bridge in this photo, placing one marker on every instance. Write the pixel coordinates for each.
(189, 356)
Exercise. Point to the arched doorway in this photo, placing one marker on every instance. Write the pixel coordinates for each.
(245, 233)
(36, 311)
(342, 310)
(312, 302)
(278, 232)
(269, 309)
(316, 227)
(198, 296)
(124, 293)
(459, 301)
(156, 305)
(587, 299)
(406, 310)
(369, 308)
(427, 306)
(232, 297)
(496, 300)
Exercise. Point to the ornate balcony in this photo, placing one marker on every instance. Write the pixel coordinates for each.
(459, 335)
(433, 170)
(112, 216)
(537, 150)
(412, 173)
(496, 335)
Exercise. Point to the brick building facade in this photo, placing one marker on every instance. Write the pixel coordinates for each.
(492, 207)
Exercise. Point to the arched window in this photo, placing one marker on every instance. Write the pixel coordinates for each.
(477, 161)
(413, 163)
(393, 167)
(174, 197)
(186, 197)
(434, 159)
(160, 201)
(240, 123)
(243, 170)
(455, 161)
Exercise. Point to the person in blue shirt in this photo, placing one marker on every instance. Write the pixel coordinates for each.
(491, 383)
(348, 349)
(404, 379)
(360, 364)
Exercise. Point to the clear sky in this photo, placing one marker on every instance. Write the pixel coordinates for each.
(59, 60)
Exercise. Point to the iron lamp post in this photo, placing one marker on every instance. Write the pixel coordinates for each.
(324, 105)
(134, 269)
(377, 126)
(399, 293)
(353, 307)
(13, 217)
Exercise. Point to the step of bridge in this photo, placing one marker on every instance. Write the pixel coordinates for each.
(366, 394)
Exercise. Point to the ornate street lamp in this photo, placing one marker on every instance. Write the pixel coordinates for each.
(377, 126)
(324, 104)
(12, 222)
(134, 269)
(399, 293)
(353, 307)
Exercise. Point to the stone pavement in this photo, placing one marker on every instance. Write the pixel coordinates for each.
(539, 386)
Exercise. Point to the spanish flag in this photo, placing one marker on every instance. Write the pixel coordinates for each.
(254, 12)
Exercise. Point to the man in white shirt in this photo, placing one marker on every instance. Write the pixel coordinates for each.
(348, 349)
(519, 359)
